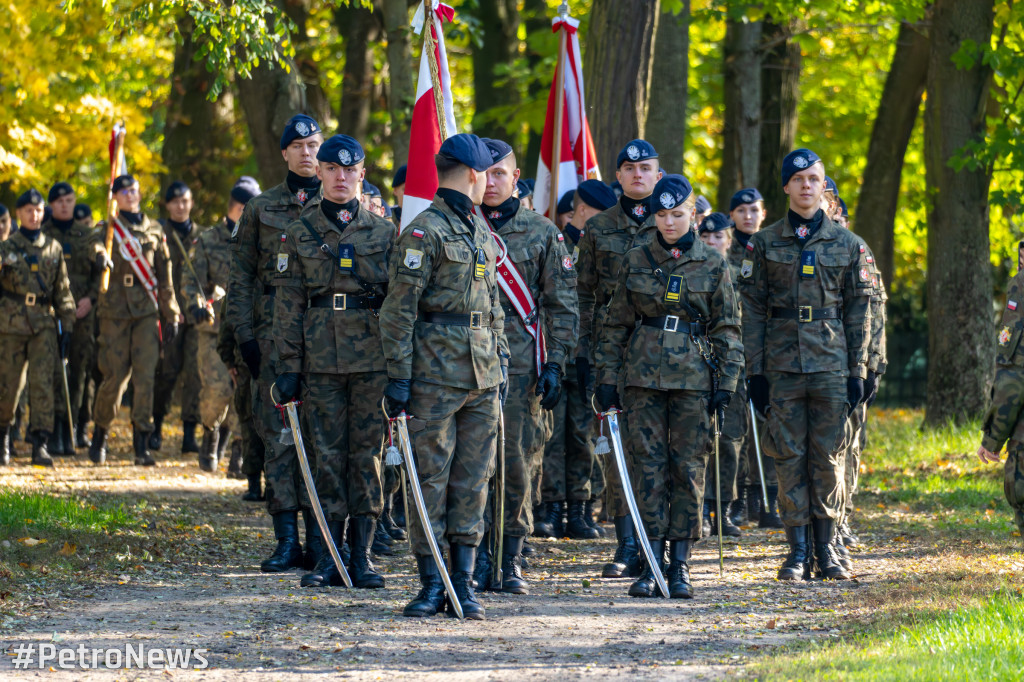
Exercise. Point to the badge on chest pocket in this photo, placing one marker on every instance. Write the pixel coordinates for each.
(345, 255)
(807, 263)
(481, 264)
(674, 289)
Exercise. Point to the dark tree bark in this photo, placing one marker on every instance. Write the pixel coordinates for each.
(780, 92)
(536, 19)
(894, 123)
(498, 48)
(666, 114)
(741, 132)
(401, 87)
(318, 104)
(360, 28)
(269, 99)
(617, 73)
(960, 333)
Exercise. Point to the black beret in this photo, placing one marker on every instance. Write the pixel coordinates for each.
(796, 161)
(616, 187)
(123, 182)
(830, 186)
(4, 211)
(702, 205)
(597, 194)
(246, 188)
(715, 222)
(30, 197)
(846, 211)
(399, 178)
(565, 203)
(637, 150)
(671, 191)
(298, 127)
(531, 183)
(748, 195)
(370, 190)
(61, 189)
(341, 149)
(499, 149)
(83, 212)
(176, 189)
(467, 149)
(524, 189)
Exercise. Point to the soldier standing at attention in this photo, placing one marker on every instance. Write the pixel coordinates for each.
(674, 303)
(806, 288)
(607, 237)
(258, 266)
(328, 338)
(129, 331)
(34, 290)
(442, 323)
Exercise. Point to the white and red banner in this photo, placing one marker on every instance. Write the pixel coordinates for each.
(577, 160)
(425, 136)
(118, 162)
(131, 251)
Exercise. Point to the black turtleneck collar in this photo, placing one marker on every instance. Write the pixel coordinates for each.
(62, 225)
(340, 214)
(636, 209)
(796, 221)
(502, 213)
(182, 228)
(459, 203)
(572, 233)
(29, 234)
(684, 244)
(132, 218)
(229, 224)
(302, 187)
(741, 237)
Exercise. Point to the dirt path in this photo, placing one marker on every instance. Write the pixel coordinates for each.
(198, 586)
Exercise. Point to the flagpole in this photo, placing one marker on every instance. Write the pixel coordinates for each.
(435, 78)
(556, 150)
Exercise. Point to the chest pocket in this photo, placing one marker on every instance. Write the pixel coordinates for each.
(613, 242)
(456, 270)
(831, 267)
(315, 265)
(276, 216)
(781, 268)
(644, 284)
(373, 261)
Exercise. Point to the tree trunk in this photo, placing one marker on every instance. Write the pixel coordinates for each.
(496, 52)
(666, 114)
(269, 99)
(894, 123)
(780, 91)
(741, 132)
(617, 73)
(401, 88)
(318, 104)
(536, 19)
(360, 28)
(960, 333)
(198, 138)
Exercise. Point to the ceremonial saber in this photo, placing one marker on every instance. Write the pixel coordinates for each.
(67, 390)
(498, 524)
(757, 451)
(717, 426)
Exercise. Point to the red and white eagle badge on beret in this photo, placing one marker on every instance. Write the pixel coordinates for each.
(567, 263)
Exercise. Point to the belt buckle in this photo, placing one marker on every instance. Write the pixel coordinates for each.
(476, 320)
(30, 299)
(129, 280)
(344, 302)
(671, 323)
(805, 313)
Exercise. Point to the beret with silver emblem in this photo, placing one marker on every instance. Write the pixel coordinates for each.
(636, 150)
(176, 189)
(467, 149)
(298, 127)
(370, 190)
(246, 188)
(123, 182)
(524, 189)
(702, 205)
(830, 186)
(796, 161)
(499, 149)
(565, 203)
(715, 222)
(596, 194)
(83, 212)
(30, 197)
(748, 195)
(61, 189)
(341, 149)
(671, 191)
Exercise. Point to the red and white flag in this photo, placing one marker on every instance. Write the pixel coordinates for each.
(577, 160)
(425, 136)
(118, 162)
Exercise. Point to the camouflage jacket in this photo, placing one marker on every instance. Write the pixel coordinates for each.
(737, 253)
(126, 298)
(606, 239)
(336, 339)
(537, 249)
(256, 244)
(34, 286)
(211, 259)
(839, 279)
(877, 355)
(227, 347)
(80, 243)
(178, 267)
(1003, 421)
(645, 356)
(433, 269)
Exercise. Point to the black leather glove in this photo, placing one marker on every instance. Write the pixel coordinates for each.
(719, 401)
(607, 397)
(103, 262)
(199, 313)
(583, 375)
(871, 388)
(287, 386)
(396, 396)
(503, 386)
(170, 331)
(549, 385)
(251, 355)
(65, 344)
(854, 392)
(758, 390)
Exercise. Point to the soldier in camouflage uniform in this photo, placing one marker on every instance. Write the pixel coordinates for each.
(606, 239)
(674, 303)
(569, 455)
(129, 331)
(535, 249)
(327, 333)
(806, 288)
(442, 323)
(258, 267)
(34, 290)
(80, 244)
(1004, 422)
(179, 356)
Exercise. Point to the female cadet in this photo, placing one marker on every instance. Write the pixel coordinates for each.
(671, 338)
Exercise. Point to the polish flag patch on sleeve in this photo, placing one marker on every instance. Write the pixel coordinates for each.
(417, 232)
(750, 246)
(1011, 305)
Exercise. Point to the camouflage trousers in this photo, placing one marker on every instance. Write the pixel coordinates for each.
(252, 444)
(807, 426)
(343, 420)
(81, 357)
(128, 350)
(750, 473)
(216, 387)
(454, 437)
(1013, 481)
(569, 454)
(285, 490)
(730, 451)
(852, 459)
(179, 358)
(667, 445)
(28, 358)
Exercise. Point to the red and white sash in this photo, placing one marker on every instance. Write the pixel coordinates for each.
(131, 251)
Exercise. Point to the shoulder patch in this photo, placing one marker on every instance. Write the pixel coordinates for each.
(747, 268)
(561, 237)
(567, 263)
(413, 259)
(1004, 336)
(282, 262)
(750, 245)
(1011, 304)
(417, 232)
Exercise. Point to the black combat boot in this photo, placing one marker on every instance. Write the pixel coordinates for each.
(398, 511)
(5, 445)
(463, 559)
(841, 553)
(511, 566)
(770, 516)
(389, 524)
(188, 440)
(829, 567)
(142, 457)
(429, 601)
(847, 536)
(223, 439)
(82, 433)
(705, 522)
(626, 560)
(55, 442)
(550, 524)
(729, 529)
(314, 541)
(98, 447)
(588, 516)
(208, 451)
(235, 463)
(737, 513)
(797, 565)
(156, 439)
(288, 553)
(361, 570)
(577, 527)
(754, 501)
(40, 457)
(382, 542)
(646, 585)
(483, 570)
(325, 573)
(679, 586)
(255, 491)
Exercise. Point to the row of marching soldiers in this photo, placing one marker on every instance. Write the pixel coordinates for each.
(466, 322)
